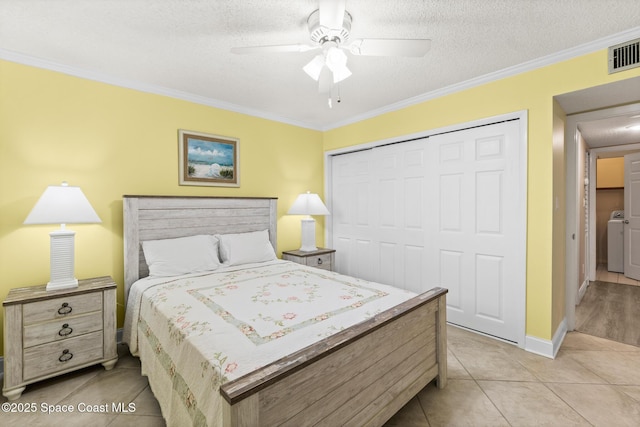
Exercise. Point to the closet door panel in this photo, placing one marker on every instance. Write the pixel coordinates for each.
(477, 180)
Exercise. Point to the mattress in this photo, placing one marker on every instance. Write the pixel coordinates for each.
(198, 331)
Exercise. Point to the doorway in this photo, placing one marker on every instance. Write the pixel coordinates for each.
(597, 129)
(609, 306)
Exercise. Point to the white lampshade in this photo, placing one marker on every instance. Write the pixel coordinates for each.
(62, 205)
(308, 204)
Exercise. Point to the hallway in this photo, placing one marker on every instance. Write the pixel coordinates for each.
(610, 308)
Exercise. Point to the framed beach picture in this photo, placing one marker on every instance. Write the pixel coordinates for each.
(208, 159)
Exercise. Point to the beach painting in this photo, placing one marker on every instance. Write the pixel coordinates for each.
(207, 159)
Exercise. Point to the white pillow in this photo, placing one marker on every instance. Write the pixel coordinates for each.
(243, 248)
(172, 257)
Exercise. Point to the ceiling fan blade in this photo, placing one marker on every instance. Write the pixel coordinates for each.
(284, 48)
(332, 13)
(390, 47)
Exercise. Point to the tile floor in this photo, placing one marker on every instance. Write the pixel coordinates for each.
(592, 381)
(607, 276)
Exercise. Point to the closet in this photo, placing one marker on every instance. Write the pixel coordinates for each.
(447, 209)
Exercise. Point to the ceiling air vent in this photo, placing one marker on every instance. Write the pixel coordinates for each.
(624, 56)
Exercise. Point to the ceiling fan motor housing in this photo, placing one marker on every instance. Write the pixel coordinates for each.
(321, 35)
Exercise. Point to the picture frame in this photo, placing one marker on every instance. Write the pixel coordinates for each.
(208, 160)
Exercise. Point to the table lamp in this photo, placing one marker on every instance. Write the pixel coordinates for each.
(308, 204)
(62, 205)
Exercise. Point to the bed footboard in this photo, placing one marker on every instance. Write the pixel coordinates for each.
(360, 376)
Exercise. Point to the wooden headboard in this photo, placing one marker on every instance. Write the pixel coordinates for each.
(167, 217)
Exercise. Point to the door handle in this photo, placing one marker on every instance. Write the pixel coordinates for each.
(626, 221)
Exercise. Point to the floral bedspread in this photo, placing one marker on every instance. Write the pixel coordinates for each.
(195, 332)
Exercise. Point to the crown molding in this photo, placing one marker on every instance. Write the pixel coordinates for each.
(20, 58)
(564, 55)
(544, 61)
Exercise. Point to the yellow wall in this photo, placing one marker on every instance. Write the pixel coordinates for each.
(610, 173)
(112, 141)
(532, 91)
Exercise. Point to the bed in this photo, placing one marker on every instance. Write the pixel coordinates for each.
(306, 368)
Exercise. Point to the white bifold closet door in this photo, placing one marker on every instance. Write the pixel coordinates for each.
(439, 211)
(378, 214)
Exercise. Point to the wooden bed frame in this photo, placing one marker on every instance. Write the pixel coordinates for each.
(360, 376)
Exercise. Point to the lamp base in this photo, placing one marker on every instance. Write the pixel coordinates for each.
(62, 284)
(308, 235)
(62, 260)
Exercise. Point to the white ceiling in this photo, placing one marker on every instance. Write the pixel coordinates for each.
(612, 131)
(609, 115)
(181, 48)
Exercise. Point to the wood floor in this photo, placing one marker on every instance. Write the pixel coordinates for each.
(611, 311)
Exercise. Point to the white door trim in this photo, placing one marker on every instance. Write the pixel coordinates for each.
(631, 216)
(521, 213)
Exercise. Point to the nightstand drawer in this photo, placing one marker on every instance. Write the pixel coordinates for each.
(50, 358)
(320, 261)
(320, 258)
(59, 308)
(61, 329)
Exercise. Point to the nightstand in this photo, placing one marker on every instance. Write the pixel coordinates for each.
(48, 333)
(321, 258)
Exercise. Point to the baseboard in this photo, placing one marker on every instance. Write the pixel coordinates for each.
(118, 340)
(547, 348)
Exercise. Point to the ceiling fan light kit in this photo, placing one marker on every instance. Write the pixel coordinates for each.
(329, 37)
(314, 67)
(335, 60)
(329, 29)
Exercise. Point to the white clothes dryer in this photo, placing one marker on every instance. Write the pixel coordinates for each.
(615, 242)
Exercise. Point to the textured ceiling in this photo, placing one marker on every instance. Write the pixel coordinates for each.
(609, 115)
(182, 47)
(610, 132)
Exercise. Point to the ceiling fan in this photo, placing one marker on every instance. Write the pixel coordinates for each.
(329, 28)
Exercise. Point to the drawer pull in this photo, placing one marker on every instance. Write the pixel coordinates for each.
(66, 330)
(65, 356)
(65, 309)
(319, 261)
